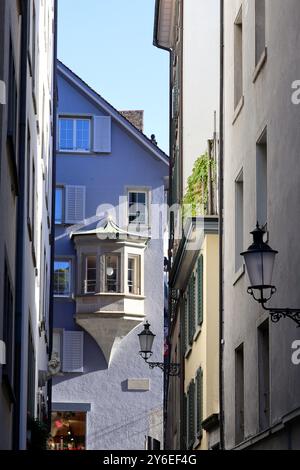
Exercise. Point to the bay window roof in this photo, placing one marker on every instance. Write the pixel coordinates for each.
(107, 229)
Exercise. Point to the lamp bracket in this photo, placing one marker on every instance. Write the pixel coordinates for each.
(171, 368)
(276, 313)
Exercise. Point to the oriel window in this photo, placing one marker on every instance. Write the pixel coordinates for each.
(91, 274)
(134, 275)
(112, 273)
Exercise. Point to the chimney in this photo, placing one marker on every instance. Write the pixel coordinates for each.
(136, 117)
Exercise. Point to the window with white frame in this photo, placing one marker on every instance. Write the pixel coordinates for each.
(112, 273)
(57, 345)
(90, 274)
(133, 275)
(138, 207)
(62, 278)
(68, 349)
(69, 204)
(75, 134)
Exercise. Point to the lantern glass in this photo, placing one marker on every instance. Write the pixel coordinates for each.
(260, 265)
(146, 339)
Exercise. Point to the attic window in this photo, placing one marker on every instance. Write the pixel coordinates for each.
(74, 134)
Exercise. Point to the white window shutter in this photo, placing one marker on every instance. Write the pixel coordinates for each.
(56, 347)
(73, 351)
(102, 134)
(75, 204)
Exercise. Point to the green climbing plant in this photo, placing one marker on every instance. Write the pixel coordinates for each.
(196, 197)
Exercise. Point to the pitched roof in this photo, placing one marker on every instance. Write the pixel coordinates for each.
(113, 112)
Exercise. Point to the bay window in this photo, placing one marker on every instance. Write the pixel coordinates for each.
(112, 273)
(133, 275)
(90, 274)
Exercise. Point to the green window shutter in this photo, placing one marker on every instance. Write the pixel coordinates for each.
(192, 309)
(200, 290)
(175, 176)
(185, 420)
(175, 99)
(186, 324)
(199, 398)
(191, 415)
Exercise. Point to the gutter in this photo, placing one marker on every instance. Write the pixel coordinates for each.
(221, 227)
(52, 235)
(155, 32)
(20, 225)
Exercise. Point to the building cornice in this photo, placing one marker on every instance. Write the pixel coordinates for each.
(194, 232)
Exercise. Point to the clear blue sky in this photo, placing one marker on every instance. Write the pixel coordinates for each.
(108, 43)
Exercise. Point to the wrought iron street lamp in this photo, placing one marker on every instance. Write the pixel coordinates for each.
(146, 338)
(259, 260)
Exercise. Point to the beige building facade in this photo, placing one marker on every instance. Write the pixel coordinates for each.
(201, 369)
(185, 28)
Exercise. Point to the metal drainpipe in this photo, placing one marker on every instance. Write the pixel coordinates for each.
(221, 189)
(169, 50)
(52, 235)
(166, 378)
(20, 224)
(181, 319)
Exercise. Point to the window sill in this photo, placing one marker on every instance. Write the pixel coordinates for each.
(29, 228)
(33, 255)
(68, 298)
(188, 352)
(111, 294)
(198, 331)
(238, 109)
(29, 62)
(65, 224)
(197, 442)
(239, 274)
(34, 100)
(260, 64)
(76, 152)
(13, 165)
